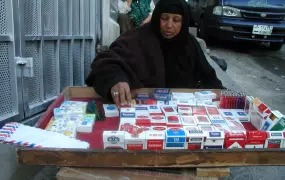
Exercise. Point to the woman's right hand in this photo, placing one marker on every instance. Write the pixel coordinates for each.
(121, 94)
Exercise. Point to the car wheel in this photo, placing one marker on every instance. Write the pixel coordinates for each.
(275, 46)
(201, 31)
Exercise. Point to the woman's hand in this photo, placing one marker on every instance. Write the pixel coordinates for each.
(121, 94)
(146, 20)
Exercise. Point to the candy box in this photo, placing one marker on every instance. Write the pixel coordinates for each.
(135, 140)
(169, 110)
(188, 120)
(206, 128)
(227, 113)
(202, 120)
(86, 125)
(175, 139)
(275, 139)
(154, 110)
(214, 140)
(128, 114)
(141, 110)
(158, 120)
(241, 115)
(195, 139)
(184, 111)
(255, 139)
(212, 110)
(162, 94)
(235, 140)
(155, 140)
(114, 139)
(173, 121)
(199, 110)
(205, 95)
(271, 120)
(217, 119)
(236, 127)
(222, 127)
(111, 110)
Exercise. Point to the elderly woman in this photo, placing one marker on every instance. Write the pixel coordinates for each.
(157, 55)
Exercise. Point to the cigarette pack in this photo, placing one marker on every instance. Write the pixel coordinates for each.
(162, 94)
(154, 110)
(236, 127)
(206, 128)
(188, 120)
(172, 103)
(158, 120)
(184, 111)
(217, 119)
(185, 103)
(195, 139)
(222, 127)
(143, 96)
(271, 120)
(255, 139)
(202, 120)
(235, 140)
(182, 96)
(241, 115)
(128, 114)
(86, 125)
(173, 121)
(141, 110)
(227, 113)
(135, 140)
(158, 128)
(126, 126)
(259, 113)
(143, 121)
(111, 110)
(114, 139)
(155, 140)
(205, 95)
(190, 128)
(214, 140)
(175, 139)
(248, 104)
(280, 125)
(160, 103)
(212, 110)
(199, 110)
(275, 139)
(169, 110)
(206, 103)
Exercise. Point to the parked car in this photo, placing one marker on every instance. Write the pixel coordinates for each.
(241, 20)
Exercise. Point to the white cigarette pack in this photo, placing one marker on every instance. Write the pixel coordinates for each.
(128, 114)
(135, 140)
(184, 111)
(188, 121)
(206, 128)
(227, 113)
(217, 119)
(141, 110)
(172, 103)
(205, 95)
(114, 139)
(158, 120)
(182, 96)
(169, 110)
(160, 103)
(186, 103)
(202, 120)
(214, 140)
(241, 115)
(222, 127)
(173, 121)
(154, 110)
(275, 139)
(190, 128)
(195, 139)
(111, 110)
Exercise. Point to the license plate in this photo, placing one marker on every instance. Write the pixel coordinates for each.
(262, 30)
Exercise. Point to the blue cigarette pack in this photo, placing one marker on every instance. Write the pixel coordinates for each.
(162, 94)
(142, 96)
(175, 139)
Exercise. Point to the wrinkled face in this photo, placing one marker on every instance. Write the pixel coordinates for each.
(170, 25)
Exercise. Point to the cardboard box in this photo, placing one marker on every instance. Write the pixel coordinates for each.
(195, 139)
(214, 140)
(175, 139)
(206, 128)
(162, 94)
(155, 140)
(173, 121)
(222, 127)
(158, 120)
(235, 140)
(199, 110)
(188, 121)
(154, 110)
(114, 139)
(169, 110)
(135, 140)
(255, 139)
(184, 111)
(212, 110)
(202, 119)
(271, 120)
(217, 119)
(275, 139)
(111, 110)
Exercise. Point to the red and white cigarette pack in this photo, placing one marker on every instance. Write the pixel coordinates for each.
(169, 110)
(155, 140)
(199, 110)
(235, 140)
(188, 121)
(194, 139)
(206, 128)
(222, 127)
(158, 128)
(143, 121)
(212, 110)
(236, 127)
(141, 110)
(173, 121)
(126, 126)
(255, 139)
(202, 119)
(184, 111)
(114, 139)
(275, 139)
(135, 140)
(154, 110)
(158, 120)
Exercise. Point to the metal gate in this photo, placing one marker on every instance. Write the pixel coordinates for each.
(60, 37)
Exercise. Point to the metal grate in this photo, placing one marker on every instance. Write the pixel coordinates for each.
(33, 50)
(64, 65)
(49, 17)
(3, 26)
(63, 17)
(32, 17)
(87, 58)
(49, 64)
(76, 17)
(6, 106)
(77, 74)
(87, 17)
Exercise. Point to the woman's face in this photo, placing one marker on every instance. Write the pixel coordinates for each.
(170, 25)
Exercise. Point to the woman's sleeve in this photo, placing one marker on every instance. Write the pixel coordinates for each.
(152, 6)
(124, 8)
